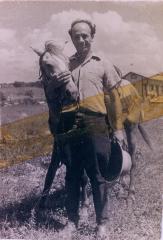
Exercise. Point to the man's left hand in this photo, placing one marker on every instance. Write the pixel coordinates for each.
(64, 77)
(119, 135)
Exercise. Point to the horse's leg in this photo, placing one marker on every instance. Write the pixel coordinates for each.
(84, 178)
(130, 129)
(84, 197)
(144, 135)
(54, 164)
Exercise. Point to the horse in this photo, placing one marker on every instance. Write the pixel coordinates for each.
(132, 117)
(52, 62)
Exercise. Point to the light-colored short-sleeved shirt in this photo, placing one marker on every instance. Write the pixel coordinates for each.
(93, 77)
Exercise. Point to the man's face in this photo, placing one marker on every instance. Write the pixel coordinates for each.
(81, 37)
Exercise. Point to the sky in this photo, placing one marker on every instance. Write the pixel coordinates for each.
(130, 34)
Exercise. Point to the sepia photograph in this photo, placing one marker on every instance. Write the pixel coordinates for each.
(81, 120)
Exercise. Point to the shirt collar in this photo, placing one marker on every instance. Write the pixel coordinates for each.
(92, 56)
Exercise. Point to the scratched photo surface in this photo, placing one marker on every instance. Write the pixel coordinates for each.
(130, 36)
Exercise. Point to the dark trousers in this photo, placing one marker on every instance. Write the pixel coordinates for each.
(89, 149)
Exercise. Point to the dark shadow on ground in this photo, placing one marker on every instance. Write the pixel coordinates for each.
(27, 210)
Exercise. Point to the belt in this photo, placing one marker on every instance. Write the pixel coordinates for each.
(84, 112)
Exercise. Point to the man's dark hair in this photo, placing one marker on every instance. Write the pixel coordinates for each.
(90, 24)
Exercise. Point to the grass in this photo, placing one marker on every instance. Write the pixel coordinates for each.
(21, 186)
(20, 92)
(22, 183)
(25, 139)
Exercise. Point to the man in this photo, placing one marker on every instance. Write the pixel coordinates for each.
(86, 122)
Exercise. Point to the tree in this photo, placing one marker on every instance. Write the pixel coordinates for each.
(3, 98)
(29, 93)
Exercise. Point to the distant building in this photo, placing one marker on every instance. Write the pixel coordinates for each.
(151, 87)
(138, 81)
(4, 85)
(156, 84)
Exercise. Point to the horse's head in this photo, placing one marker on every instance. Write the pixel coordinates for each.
(55, 47)
(52, 60)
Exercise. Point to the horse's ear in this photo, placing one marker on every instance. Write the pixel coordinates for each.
(118, 71)
(37, 51)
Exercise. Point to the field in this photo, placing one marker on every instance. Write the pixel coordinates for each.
(21, 187)
(22, 183)
(24, 121)
(21, 102)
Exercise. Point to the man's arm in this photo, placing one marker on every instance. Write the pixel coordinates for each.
(112, 100)
(114, 112)
(114, 109)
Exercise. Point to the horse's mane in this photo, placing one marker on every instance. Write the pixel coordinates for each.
(41, 69)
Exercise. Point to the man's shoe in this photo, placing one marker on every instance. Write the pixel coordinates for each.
(102, 232)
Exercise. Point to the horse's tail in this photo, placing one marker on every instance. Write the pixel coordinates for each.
(145, 135)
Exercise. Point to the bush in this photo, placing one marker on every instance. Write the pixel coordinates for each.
(3, 98)
(18, 84)
(27, 101)
(29, 93)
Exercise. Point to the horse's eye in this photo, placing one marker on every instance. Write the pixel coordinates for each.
(68, 93)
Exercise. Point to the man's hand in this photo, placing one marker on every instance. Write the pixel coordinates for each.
(119, 135)
(63, 77)
(58, 80)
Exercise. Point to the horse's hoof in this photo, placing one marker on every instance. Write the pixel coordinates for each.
(130, 200)
(84, 213)
(102, 232)
(132, 196)
(85, 203)
(70, 230)
(121, 194)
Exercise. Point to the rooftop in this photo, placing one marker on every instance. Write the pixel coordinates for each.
(158, 76)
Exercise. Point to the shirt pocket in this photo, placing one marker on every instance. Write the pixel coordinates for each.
(95, 78)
